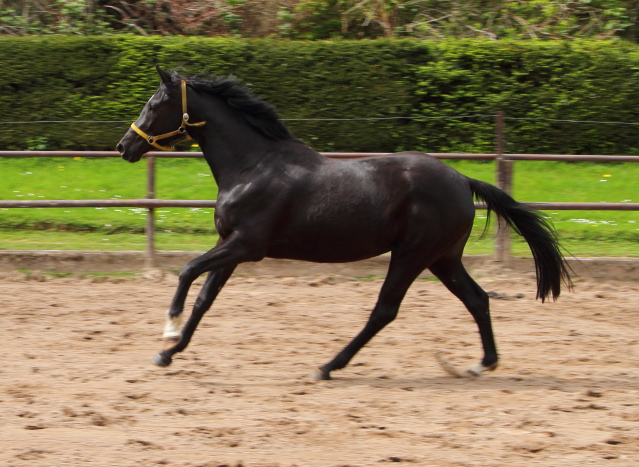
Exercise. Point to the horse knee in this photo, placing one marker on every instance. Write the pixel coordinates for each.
(188, 273)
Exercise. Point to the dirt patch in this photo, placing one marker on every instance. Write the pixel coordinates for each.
(77, 387)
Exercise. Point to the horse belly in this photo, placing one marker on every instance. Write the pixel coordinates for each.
(332, 245)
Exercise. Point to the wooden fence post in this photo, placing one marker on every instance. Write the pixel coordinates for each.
(504, 179)
(150, 261)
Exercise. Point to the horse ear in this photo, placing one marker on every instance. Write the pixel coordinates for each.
(165, 76)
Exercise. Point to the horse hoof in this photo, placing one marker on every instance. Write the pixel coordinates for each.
(320, 374)
(161, 360)
(476, 370)
(473, 372)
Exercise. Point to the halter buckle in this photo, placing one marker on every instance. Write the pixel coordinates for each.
(185, 117)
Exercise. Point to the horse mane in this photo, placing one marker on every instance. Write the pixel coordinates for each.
(255, 111)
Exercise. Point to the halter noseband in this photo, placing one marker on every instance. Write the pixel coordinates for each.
(152, 140)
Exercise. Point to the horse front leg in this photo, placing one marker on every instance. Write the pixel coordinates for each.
(221, 261)
(172, 332)
(221, 255)
(211, 288)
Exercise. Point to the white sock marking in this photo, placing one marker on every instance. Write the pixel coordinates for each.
(478, 369)
(172, 327)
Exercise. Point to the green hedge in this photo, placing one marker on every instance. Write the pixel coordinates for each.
(110, 78)
(591, 81)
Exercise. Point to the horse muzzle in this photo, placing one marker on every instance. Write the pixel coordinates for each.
(129, 149)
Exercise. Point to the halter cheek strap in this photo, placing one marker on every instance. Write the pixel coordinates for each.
(152, 140)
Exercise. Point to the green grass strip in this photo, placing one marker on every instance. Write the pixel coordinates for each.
(583, 233)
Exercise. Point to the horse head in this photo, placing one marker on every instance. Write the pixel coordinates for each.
(156, 126)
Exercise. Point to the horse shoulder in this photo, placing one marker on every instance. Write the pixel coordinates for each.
(248, 204)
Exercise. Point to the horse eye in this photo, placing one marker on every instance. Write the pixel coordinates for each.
(152, 106)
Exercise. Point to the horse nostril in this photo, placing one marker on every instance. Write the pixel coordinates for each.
(120, 148)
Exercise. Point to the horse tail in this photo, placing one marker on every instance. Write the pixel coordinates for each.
(550, 265)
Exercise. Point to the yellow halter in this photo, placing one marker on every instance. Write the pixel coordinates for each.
(152, 140)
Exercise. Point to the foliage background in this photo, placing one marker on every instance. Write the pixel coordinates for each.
(109, 78)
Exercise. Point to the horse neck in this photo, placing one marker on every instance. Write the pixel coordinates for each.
(236, 151)
(230, 159)
(235, 154)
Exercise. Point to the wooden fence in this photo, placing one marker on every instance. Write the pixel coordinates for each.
(503, 178)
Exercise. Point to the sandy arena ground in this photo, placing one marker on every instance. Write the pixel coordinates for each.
(77, 386)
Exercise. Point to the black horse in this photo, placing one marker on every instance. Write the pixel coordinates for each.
(279, 198)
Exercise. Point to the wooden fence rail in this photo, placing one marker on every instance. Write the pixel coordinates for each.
(503, 178)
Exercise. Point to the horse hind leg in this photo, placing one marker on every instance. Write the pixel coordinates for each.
(402, 271)
(454, 276)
